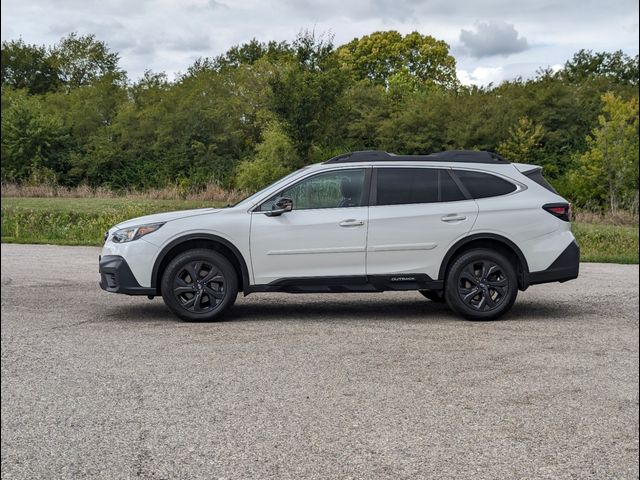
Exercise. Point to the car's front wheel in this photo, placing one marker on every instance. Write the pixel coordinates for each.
(199, 285)
(481, 285)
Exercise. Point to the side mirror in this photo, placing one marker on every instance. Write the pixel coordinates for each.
(281, 206)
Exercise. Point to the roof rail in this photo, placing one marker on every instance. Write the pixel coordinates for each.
(463, 156)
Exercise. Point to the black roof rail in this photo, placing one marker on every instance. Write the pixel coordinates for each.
(463, 156)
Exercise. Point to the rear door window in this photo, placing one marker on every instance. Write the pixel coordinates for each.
(400, 186)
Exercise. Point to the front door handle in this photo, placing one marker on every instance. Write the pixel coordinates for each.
(453, 218)
(352, 222)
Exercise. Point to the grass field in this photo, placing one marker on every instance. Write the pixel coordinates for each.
(77, 221)
(83, 221)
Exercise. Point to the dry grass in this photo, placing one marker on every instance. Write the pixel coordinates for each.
(212, 192)
(619, 217)
(50, 191)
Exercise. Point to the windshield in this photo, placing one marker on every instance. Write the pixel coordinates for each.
(251, 198)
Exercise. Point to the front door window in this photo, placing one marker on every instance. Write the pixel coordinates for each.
(336, 189)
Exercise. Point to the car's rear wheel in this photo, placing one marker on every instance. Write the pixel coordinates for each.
(199, 285)
(433, 295)
(481, 285)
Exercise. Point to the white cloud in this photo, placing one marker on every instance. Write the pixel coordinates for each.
(481, 76)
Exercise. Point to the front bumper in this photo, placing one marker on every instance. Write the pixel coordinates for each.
(565, 267)
(116, 277)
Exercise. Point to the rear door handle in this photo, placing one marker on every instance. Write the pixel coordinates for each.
(453, 218)
(352, 222)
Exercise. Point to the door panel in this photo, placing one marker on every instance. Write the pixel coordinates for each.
(324, 235)
(418, 214)
(415, 238)
(309, 243)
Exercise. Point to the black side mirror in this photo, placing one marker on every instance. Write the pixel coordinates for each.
(281, 206)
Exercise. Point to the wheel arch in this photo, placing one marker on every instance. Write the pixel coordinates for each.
(491, 241)
(200, 240)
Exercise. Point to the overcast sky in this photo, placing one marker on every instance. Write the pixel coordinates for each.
(492, 40)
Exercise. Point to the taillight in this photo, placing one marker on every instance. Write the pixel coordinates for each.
(560, 210)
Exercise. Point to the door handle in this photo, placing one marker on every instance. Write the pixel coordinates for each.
(454, 217)
(352, 222)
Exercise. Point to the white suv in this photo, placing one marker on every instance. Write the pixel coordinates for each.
(468, 228)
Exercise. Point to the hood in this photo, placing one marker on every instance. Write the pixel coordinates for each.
(165, 217)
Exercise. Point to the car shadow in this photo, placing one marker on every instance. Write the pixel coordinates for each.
(269, 308)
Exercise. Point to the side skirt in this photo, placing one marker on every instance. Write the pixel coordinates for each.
(350, 284)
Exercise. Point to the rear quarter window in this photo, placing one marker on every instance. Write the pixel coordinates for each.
(484, 185)
(536, 176)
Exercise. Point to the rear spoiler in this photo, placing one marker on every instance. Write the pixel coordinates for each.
(526, 168)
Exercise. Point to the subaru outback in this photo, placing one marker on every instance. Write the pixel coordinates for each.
(467, 228)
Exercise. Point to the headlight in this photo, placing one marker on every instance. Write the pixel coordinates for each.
(133, 233)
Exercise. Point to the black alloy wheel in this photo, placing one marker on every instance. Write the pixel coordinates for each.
(481, 284)
(199, 285)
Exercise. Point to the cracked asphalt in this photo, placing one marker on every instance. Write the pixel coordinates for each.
(390, 385)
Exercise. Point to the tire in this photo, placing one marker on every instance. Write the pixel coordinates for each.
(207, 298)
(436, 296)
(487, 273)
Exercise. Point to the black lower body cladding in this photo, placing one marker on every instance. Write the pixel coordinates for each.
(117, 277)
(565, 267)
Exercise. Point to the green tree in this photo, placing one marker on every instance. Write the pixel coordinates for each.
(81, 59)
(251, 52)
(34, 144)
(607, 172)
(29, 67)
(615, 66)
(524, 142)
(307, 95)
(381, 55)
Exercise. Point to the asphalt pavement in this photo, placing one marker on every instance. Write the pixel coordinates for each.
(366, 386)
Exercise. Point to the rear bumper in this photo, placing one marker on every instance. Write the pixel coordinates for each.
(116, 277)
(565, 267)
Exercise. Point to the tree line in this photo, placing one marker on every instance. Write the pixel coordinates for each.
(71, 116)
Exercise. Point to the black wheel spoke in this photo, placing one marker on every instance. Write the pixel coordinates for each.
(181, 290)
(483, 271)
(469, 275)
(213, 295)
(197, 307)
(194, 271)
(500, 290)
(472, 293)
(501, 282)
(489, 301)
(212, 276)
(189, 303)
(493, 269)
